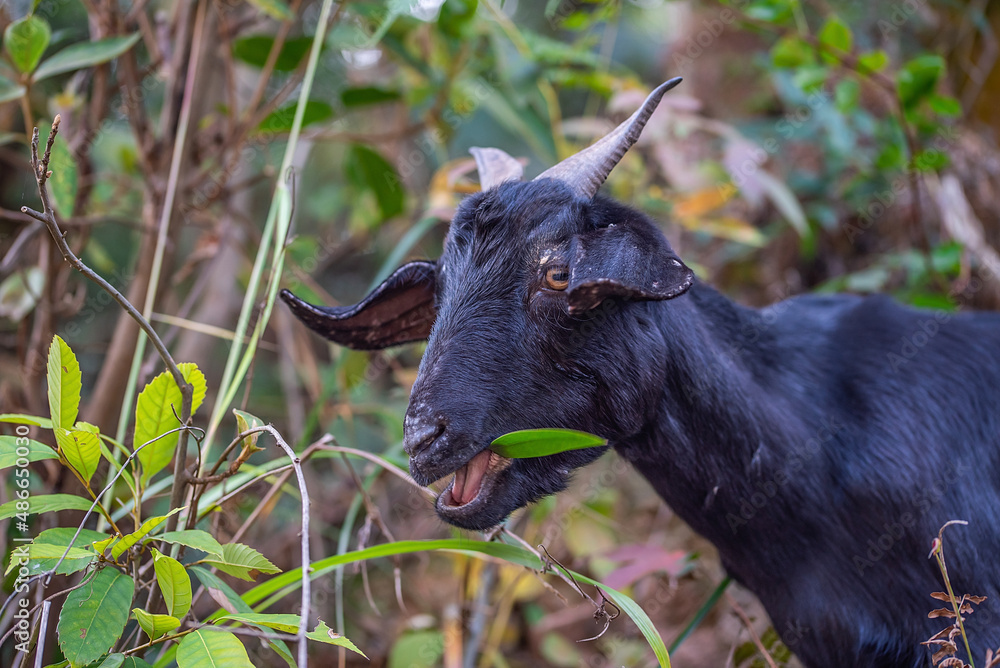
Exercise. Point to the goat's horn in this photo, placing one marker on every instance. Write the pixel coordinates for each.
(585, 171)
(495, 167)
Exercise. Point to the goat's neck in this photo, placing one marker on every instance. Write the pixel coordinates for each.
(719, 436)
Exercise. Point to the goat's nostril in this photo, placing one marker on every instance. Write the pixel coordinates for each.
(419, 435)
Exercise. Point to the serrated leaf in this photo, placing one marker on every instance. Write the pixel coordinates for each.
(323, 633)
(154, 416)
(131, 539)
(94, 616)
(46, 503)
(25, 40)
(174, 582)
(101, 545)
(44, 556)
(212, 648)
(195, 538)
(82, 449)
(873, 61)
(113, 660)
(242, 561)
(837, 35)
(155, 625)
(274, 8)
(84, 54)
(64, 180)
(64, 381)
(543, 442)
(36, 451)
(10, 90)
(286, 623)
(231, 601)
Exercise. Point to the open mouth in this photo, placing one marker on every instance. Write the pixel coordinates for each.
(473, 479)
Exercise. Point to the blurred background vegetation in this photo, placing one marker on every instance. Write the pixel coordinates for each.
(815, 145)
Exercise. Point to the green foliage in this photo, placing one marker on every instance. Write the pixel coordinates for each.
(174, 582)
(84, 54)
(254, 51)
(370, 172)
(242, 561)
(212, 648)
(156, 413)
(25, 40)
(131, 539)
(155, 625)
(93, 616)
(544, 442)
(36, 451)
(64, 382)
(196, 538)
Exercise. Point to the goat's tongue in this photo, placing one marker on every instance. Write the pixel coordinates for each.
(469, 479)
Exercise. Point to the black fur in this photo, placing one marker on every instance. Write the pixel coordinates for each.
(819, 443)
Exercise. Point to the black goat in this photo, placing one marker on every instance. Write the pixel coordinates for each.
(819, 443)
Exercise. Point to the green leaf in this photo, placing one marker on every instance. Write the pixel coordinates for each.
(286, 623)
(196, 538)
(543, 442)
(280, 120)
(36, 451)
(417, 649)
(217, 588)
(946, 105)
(254, 50)
(810, 78)
(245, 422)
(25, 40)
(274, 8)
(212, 648)
(174, 582)
(368, 170)
(155, 625)
(113, 661)
(837, 35)
(154, 416)
(873, 61)
(10, 90)
(64, 180)
(34, 420)
(323, 633)
(918, 78)
(365, 95)
(133, 662)
(281, 585)
(94, 616)
(44, 556)
(242, 561)
(791, 52)
(47, 503)
(20, 292)
(85, 54)
(82, 449)
(131, 539)
(63, 377)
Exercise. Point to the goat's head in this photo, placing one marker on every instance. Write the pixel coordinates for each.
(532, 314)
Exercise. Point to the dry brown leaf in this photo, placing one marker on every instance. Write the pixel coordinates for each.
(941, 612)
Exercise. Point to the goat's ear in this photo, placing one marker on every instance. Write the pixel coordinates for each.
(399, 310)
(624, 260)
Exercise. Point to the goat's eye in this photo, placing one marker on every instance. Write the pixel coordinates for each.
(557, 278)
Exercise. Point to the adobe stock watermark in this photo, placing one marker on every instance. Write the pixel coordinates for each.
(19, 555)
(875, 549)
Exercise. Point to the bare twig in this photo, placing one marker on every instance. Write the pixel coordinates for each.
(753, 634)
(42, 632)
